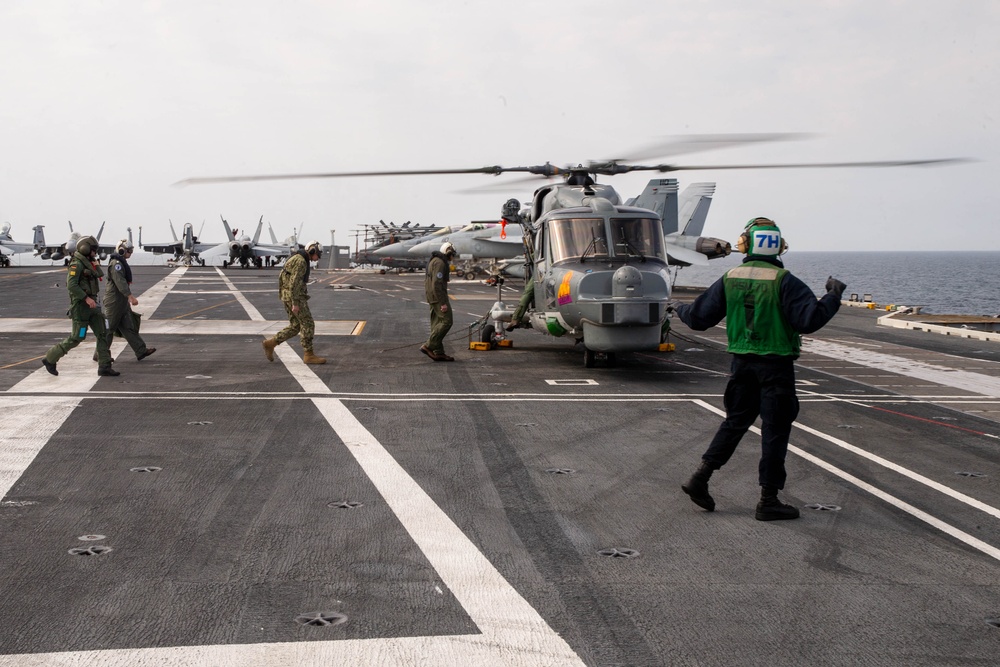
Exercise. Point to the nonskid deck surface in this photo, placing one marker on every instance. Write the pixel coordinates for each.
(387, 509)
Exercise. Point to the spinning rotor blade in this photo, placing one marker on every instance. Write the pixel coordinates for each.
(694, 143)
(542, 170)
(663, 168)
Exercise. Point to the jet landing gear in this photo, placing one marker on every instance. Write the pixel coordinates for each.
(590, 358)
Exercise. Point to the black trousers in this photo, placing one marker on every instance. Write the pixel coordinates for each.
(763, 386)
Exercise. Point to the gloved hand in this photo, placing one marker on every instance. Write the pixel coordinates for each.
(672, 305)
(835, 286)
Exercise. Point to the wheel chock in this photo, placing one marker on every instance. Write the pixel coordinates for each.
(667, 347)
(482, 347)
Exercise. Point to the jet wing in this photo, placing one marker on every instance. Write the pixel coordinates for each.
(163, 248)
(13, 247)
(265, 250)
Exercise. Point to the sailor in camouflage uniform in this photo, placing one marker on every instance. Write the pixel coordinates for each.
(83, 278)
(292, 286)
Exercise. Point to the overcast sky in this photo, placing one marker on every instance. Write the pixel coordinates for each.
(105, 105)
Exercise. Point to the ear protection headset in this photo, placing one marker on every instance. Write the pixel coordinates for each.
(762, 237)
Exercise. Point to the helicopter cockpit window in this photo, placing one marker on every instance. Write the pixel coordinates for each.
(638, 237)
(577, 237)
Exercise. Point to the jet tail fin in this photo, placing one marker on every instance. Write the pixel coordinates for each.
(172, 232)
(270, 229)
(694, 204)
(260, 225)
(660, 195)
(101, 230)
(39, 241)
(229, 232)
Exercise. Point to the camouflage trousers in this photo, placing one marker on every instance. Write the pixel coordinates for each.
(303, 322)
(95, 321)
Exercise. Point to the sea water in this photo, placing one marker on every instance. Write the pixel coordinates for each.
(942, 282)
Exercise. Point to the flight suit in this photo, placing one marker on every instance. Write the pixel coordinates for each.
(436, 293)
(83, 280)
(292, 286)
(117, 310)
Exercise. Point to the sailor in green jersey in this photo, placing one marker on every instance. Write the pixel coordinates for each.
(766, 310)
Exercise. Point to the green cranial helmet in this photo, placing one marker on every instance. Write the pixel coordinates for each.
(86, 245)
(762, 238)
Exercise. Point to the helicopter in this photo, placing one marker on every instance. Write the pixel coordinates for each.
(599, 267)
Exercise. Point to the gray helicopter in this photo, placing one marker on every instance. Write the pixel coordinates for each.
(598, 265)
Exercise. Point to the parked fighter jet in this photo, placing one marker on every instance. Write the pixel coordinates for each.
(186, 251)
(65, 250)
(683, 220)
(9, 246)
(248, 251)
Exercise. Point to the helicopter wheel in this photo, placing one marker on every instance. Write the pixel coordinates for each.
(470, 275)
(589, 358)
(486, 336)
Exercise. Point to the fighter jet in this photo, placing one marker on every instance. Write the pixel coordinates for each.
(684, 244)
(186, 250)
(9, 246)
(248, 251)
(65, 250)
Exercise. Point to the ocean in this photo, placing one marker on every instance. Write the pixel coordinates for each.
(966, 283)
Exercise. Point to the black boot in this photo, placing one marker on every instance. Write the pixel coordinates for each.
(108, 371)
(697, 488)
(771, 509)
(50, 367)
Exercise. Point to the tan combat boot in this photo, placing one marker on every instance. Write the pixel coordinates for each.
(269, 345)
(311, 358)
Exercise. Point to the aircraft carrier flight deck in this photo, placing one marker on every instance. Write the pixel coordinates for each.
(207, 507)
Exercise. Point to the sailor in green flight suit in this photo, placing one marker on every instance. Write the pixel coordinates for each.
(436, 293)
(118, 301)
(83, 278)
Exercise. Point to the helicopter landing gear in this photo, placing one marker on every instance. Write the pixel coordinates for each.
(470, 275)
(590, 358)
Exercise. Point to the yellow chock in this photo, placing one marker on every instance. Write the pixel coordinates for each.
(506, 342)
(871, 306)
(482, 347)
(667, 347)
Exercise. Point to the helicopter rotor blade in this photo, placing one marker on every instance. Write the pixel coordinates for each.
(494, 170)
(695, 143)
(791, 165)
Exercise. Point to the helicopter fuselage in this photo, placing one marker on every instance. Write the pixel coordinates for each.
(600, 272)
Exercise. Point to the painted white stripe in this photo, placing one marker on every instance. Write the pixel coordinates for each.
(77, 373)
(27, 424)
(508, 623)
(247, 306)
(976, 383)
(946, 528)
(187, 327)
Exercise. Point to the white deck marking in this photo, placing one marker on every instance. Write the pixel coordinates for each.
(186, 326)
(27, 424)
(247, 306)
(976, 383)
(946, 528)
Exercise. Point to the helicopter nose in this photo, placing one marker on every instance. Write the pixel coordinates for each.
(627, 282)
